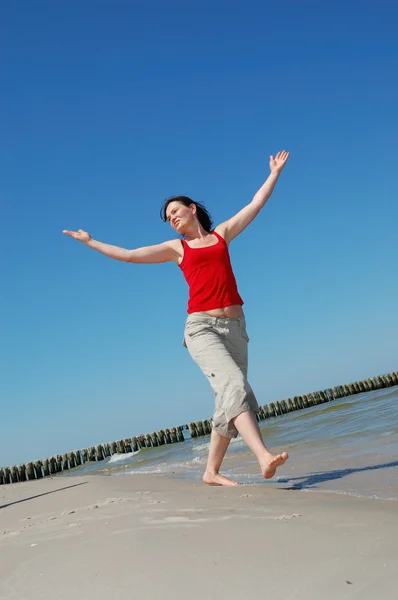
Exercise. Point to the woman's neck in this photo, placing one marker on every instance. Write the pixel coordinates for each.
(196, 232)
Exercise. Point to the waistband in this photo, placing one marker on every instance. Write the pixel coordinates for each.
(215, 321)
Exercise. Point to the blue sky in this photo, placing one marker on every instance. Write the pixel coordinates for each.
(109, 107)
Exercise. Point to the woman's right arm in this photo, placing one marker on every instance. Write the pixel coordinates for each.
(167, 251)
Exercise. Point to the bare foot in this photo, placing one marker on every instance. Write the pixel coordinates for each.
(217, 479)
(271, 463)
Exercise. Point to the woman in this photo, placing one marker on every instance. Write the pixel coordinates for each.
(215, 330)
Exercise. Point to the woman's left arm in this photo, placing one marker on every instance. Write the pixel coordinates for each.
(234, 226)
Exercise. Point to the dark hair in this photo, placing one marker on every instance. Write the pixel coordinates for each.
(201, 212)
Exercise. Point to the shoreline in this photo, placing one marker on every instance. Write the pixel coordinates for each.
(161, 537)
(52, 465)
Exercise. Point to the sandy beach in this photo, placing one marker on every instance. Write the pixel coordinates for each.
(154, 537)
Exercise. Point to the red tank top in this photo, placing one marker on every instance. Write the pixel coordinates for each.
(210, 278)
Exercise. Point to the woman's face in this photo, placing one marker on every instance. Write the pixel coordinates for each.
(180, 216)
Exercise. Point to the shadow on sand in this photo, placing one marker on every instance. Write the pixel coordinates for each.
(44, 494)
(313, 479)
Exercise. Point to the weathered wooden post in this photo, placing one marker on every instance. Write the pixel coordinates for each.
(30, 472)
(14, 475)
(2, 482)
(71, 458)
(173, 435)
(192, 430)
(134, 444)
(38, 465)
(21, 472)
(290, 404)
(7, 475)
(160, 436)
(206, 426)
(85, 455)
(127, 445)
(180, 434)
(311, 399)
(53, 465)
(277, 409)
(77, 458)
(199, 428)
(91, 454)
(284, 406)
(100, 452)
(46, 467)
(107, 450)
(120, 447)
(154, 439)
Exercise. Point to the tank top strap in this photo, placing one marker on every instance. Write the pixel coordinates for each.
(218, 236)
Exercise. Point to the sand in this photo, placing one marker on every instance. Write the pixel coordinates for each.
(153, 537)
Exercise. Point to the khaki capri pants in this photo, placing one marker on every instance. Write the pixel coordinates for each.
(219, 348)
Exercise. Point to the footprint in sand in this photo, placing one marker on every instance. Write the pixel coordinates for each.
(10, 532)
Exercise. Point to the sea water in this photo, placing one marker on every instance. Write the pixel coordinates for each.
(347, 446)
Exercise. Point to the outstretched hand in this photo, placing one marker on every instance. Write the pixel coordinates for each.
(81, 236)
(276, 163)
